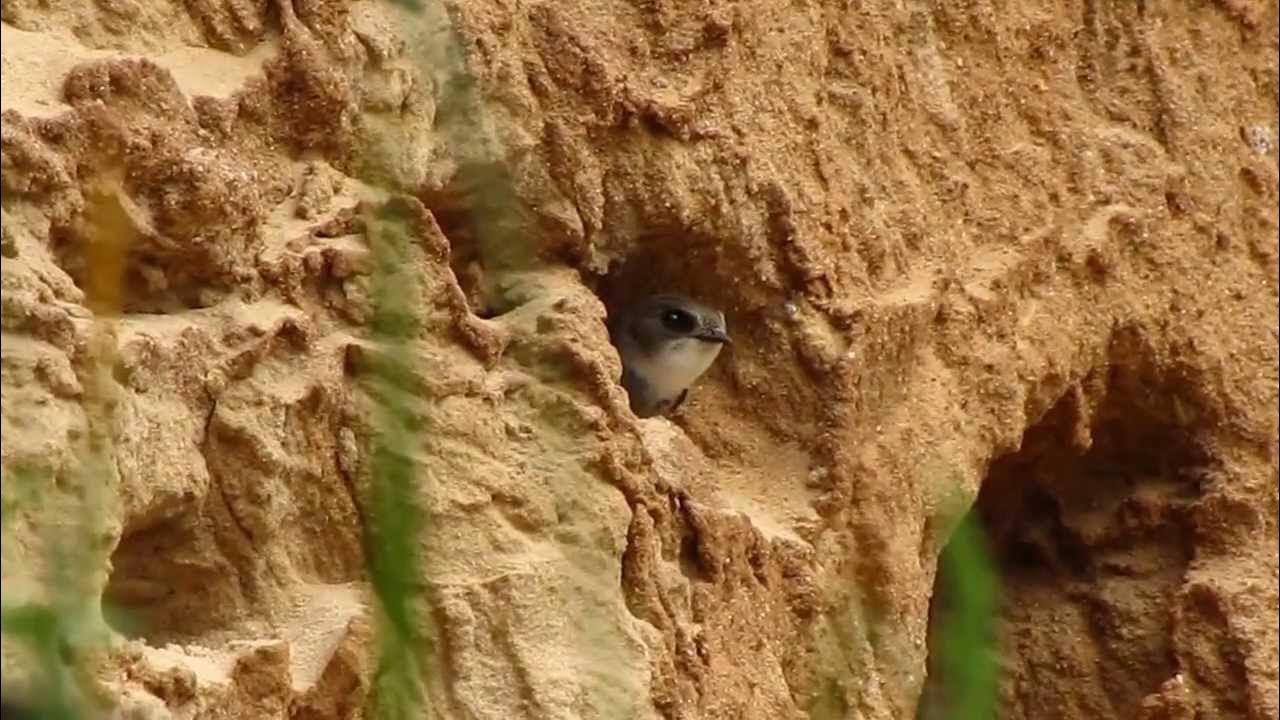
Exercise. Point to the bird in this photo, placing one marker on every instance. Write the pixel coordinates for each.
(666, 342)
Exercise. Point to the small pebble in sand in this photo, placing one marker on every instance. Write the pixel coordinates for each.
(1258, 138)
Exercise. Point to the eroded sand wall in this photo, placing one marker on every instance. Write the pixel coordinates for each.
(1027, 248)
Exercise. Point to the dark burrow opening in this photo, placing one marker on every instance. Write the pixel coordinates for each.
(489, 230)
(465, 257)
(105, 256)
(664, 263)
(680, 263)
(1090, 542)
(168, 584)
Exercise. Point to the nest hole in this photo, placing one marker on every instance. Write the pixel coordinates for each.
(665, 264)
(1089, 547)
(164, 587)
(488, 229)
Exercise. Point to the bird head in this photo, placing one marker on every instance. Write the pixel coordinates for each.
(662, 320)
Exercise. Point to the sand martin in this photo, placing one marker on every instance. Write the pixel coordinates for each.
(666, 342)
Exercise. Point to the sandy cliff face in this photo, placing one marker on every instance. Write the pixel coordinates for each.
(1023, 257)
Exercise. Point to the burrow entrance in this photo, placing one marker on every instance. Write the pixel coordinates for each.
(1090, 542)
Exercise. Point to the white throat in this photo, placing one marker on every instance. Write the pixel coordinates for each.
(674, 367)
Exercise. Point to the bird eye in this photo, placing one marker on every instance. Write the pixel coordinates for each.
(678, 321)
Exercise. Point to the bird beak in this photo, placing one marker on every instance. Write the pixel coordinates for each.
(715, 335)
